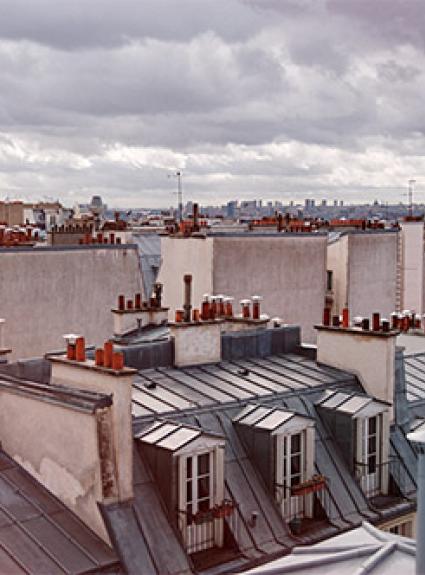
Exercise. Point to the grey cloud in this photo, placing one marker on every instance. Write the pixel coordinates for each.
(250, 97)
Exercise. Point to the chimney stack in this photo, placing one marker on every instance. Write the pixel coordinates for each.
(107, 375)
(369, 354)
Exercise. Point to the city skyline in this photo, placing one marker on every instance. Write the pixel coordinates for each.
(257, 98)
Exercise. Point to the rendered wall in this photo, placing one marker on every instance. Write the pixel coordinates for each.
(59, 447)
(370, 357)
(413, 266)
(372, 272)
(337, 262)
(47, 292)
(289, 271)
(182, 256)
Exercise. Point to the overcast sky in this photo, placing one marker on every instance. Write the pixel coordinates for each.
(272, 99)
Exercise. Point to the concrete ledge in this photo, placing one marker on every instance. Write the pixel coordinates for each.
(357, 331)
(139, 310)
(68, 248)
(90, 364)
(186, 324)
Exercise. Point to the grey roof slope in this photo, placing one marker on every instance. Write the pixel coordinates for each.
(38, 534)
(414, 366)
(209, 397)
(365, 550)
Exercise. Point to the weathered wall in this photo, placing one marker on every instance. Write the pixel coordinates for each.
(412, 234)
(369, 356)
(337, 262)
(46, 292)
(288, 270)
(372, 272)
(59, 447)
(182, 256)
(196, 344)
(120, 388)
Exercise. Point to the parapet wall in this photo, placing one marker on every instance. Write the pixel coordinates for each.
(47, 292)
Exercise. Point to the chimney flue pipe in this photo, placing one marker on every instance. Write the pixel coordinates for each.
(345, 318)
(376, 321)
(246, 312)
(327, 316)
(157, 288)
(187, 306)
(205, 308)
(256, 306)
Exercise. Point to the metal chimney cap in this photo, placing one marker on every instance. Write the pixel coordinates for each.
(71, 337)
(256, 297)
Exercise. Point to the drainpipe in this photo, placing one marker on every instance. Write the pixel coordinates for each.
(418, 439)
(187, 297)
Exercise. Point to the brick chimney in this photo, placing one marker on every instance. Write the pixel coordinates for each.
(132, 313)
(367, 351)
(107, 375)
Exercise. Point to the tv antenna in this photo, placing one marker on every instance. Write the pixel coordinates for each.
(410, 193)
(178, 175)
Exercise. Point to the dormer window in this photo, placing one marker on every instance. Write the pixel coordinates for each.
(360, 425)
(188, 465)
(281, 443)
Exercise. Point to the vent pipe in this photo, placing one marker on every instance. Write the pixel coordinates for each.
(187, 306)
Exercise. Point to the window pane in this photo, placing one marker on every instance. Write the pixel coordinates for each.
(189, 467)
(204, 464)
(189, 491)
(371, 464)
(296, 443)
(295, 464)
(372, 444)
(189, 516)
(204, 505)
(295, 480)
(203, 487)
(372, 425)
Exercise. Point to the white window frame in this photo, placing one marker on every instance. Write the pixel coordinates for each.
(294, 505)
(199, 537)
(373, 482)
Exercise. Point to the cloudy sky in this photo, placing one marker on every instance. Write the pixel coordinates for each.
(272, 99)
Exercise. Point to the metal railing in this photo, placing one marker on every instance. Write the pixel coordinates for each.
(205, 529)
(307, 500)
(374, 478)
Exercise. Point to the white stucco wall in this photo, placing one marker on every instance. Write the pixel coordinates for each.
(59, 447)
(370, 357)
(197, 344)
(47, 292)
(412, 234)
(289, 271)
(182, 256)
(364, 267)
(337, 262)
(372, 272)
